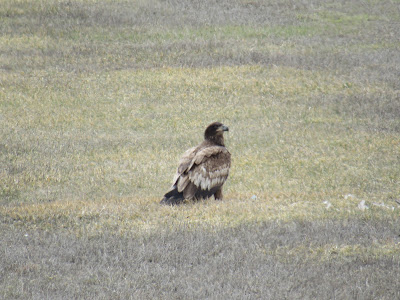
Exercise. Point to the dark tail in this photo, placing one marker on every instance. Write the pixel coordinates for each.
(173, 197)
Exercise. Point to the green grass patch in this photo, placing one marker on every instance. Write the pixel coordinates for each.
(106, 132)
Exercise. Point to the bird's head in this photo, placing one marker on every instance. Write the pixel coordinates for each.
(215, 131)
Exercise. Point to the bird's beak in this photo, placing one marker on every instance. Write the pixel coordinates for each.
(225, 128)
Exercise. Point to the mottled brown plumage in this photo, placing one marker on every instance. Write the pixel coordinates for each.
(202, 170)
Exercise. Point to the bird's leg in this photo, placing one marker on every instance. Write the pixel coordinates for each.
(218, 194)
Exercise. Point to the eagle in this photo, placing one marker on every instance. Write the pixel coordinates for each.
(202, 170)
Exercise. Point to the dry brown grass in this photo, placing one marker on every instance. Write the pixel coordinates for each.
(98, 99)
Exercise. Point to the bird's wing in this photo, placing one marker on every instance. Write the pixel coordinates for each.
(202, 169)
(210, 168)
(184, 163)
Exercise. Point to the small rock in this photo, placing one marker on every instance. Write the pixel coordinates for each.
(328, 204)
(362, 205)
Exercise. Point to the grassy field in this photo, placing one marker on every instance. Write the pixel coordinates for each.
(98, 100)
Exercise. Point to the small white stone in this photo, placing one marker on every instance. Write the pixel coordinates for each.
(362, 205)
(348, 196)
(328, 204)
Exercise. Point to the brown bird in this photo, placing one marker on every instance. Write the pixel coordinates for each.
(202, 170)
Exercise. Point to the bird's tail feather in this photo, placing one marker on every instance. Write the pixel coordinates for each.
(173, 197)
